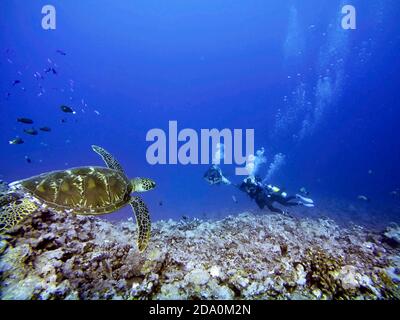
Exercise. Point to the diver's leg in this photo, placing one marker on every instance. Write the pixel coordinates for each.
(291, 204)
(273, 209)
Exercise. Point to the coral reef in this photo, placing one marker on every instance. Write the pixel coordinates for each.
(60, 256)
(392, 235)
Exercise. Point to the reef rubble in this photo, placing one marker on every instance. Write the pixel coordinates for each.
(248, 256)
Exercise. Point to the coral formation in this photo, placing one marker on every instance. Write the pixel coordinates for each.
(392, 235)
(60, 256)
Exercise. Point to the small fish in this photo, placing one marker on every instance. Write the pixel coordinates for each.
(32, 132)
(363, 198)
(15, 82)
(61, 52)
(17, 140)
(63, 121)
(96, 112)
(54, 71)
(67, 109)
(234, 199)
(45, 129)
(25, 120)
(37, 75)
(160, 203)
(395, 193)
(370, 171)
(28, 159)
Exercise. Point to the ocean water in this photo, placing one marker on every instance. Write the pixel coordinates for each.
(324, 97)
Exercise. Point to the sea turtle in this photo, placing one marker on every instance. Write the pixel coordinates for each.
(83, 191)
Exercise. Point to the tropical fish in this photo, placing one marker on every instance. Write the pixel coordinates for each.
(17, 140)
(45, 129)
(32, 132)
(25, 120)
(50, 70)
(363, 198)
(61, 52)
(395, 193)
(67, 109)
(15, 82)
(28, 159)
(234, 199)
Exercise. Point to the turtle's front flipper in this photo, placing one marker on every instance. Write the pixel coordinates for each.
(14, 212)
(143, 222)
(110, 161)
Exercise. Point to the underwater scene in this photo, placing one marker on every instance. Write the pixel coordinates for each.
(198, 149)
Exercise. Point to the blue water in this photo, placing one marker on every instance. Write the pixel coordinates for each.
(325, 97)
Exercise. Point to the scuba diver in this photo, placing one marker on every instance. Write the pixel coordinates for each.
(214, 176)
(264, 195)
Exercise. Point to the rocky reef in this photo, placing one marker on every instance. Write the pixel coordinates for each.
(60, 256)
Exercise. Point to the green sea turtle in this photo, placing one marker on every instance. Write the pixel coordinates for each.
(83, 191)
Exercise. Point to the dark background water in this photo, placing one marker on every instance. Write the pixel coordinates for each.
(325, 97)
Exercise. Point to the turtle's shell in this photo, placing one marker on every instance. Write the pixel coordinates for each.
(84, 190)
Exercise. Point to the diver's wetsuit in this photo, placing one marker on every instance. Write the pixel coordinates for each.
(265, 196)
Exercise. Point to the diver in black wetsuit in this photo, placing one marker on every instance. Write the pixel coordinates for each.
(214, 176)
(264, 195)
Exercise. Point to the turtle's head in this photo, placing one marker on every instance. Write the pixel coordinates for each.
(142, 184)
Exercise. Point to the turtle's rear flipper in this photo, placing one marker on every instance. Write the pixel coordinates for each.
(14, 212)
(143, 222)
(110, 161)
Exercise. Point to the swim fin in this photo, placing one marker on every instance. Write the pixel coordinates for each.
(304, 199)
